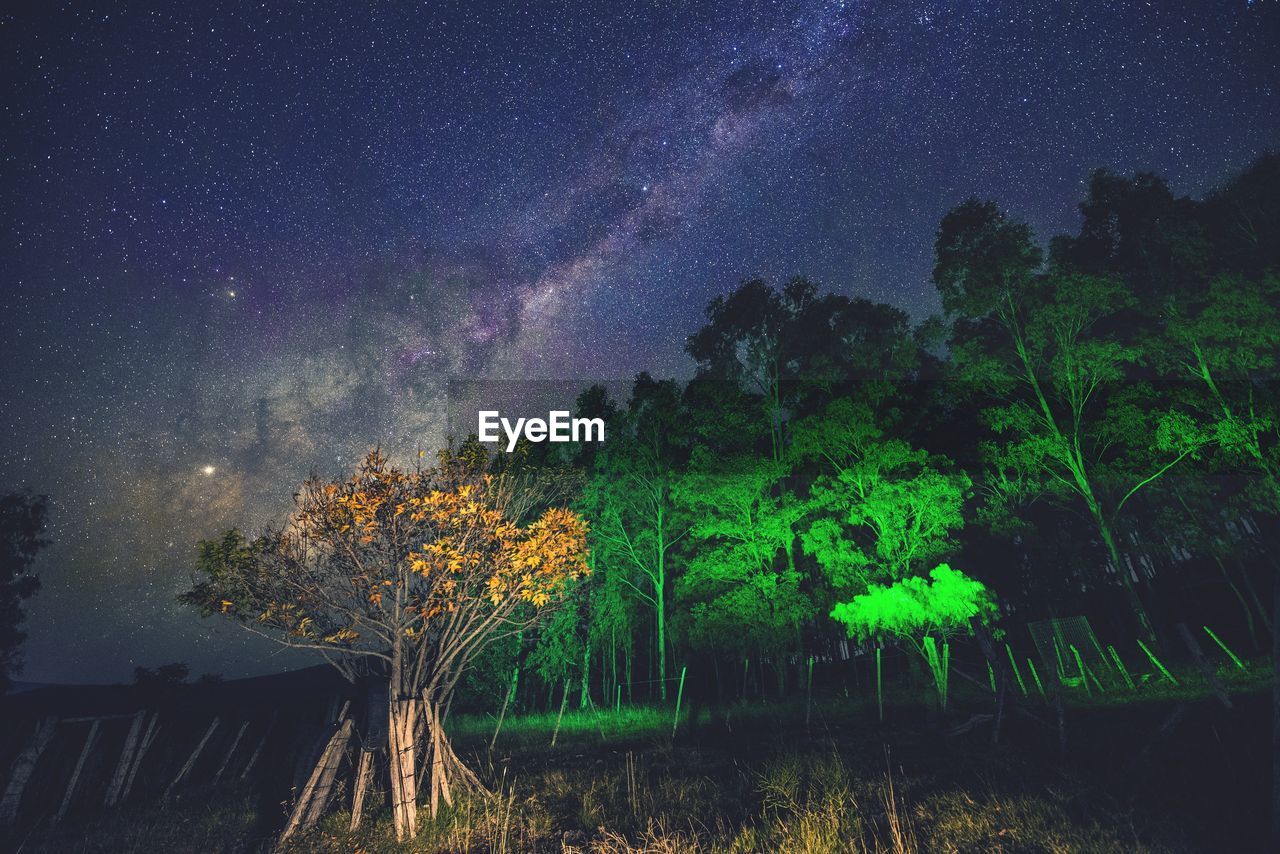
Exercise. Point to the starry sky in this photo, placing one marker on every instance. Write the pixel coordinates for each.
(242, 243)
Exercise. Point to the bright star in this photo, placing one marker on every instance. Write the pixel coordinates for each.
(208, 469)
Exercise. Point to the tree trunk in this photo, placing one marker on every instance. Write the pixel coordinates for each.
(660, 595)
(1263, 612)
(511, 692)
(1244, 603)
(1122, 568)
(630, 680)
(585, 698)
(400, 753)
(1000, 668)
(448, 773)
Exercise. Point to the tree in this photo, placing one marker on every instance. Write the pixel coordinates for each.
(164, 676)
(881, 509)
(630, 498)
(1045, 347)
(405, 576)
(22, 524)
(921, 612)
(1226, 342)
(739, 591)
(564, 642)
(1135, 229)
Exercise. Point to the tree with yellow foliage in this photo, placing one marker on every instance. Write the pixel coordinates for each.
(405, 575)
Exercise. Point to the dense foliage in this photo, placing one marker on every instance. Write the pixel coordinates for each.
(1089, 429)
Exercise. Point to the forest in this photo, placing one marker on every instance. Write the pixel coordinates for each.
(1022, 547)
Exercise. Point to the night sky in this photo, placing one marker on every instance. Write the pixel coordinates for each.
(243, 244)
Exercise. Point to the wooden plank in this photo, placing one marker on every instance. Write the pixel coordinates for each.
(191, 760)
(257, 751)
(319, 784)
(148, 738)
(324, 786)
(364, 773)
(75, 775)
(125, 762)
(23, 767)
(226, 758)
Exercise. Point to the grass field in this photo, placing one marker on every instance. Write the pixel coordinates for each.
(756, 778)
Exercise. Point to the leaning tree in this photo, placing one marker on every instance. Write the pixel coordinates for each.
(403, 576)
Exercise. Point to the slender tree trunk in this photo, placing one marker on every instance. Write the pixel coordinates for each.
(449, 775)
(1122, 568)
(1263, 612)
(1000, 667)
(630, 670)
(511, 692)
(660, 597)
(400, 753)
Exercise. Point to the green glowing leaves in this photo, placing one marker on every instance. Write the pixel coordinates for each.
(739, 590)
(916, 607)
(884, 508)
(1226, 341)
(920, 611)
(1234, 329)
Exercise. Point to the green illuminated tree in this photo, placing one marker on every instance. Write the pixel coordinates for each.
(791, 351)
(563, 649)
(921, 612)
(882, 510)
(1044, 347)
(629, 498)
(740, 591)
(1226, 341)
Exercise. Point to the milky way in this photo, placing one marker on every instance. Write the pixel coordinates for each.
(244, 245)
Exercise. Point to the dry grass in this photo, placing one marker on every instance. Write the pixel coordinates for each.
(793, 803)
(622, 785)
